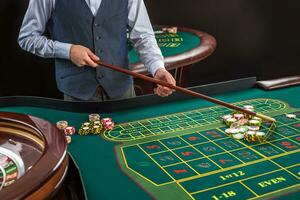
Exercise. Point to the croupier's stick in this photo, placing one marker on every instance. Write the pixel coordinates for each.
(186, 91)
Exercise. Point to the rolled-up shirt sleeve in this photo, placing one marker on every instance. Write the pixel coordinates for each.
(142, 36)
(31, 36)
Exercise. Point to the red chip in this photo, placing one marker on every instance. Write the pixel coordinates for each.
(70, 130)
(109, 125)
(105, 120)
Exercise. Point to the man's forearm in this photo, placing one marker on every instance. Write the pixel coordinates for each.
(142, 35)
(31, 36)
(44, 47)
(149, 53)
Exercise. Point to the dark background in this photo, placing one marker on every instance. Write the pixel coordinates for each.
(255, 38)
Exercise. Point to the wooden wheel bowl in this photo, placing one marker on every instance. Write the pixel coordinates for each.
(41, 153)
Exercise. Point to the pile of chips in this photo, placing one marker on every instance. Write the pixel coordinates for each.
(96, 125)
(243, 126)
(173, 29)
(66, 129)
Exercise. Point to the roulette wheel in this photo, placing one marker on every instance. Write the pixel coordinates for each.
(33, 157)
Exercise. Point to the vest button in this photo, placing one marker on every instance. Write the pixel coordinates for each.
(96, 25)
(98, 37)
(100, 76)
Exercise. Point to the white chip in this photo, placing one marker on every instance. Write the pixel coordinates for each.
(254, 122)
(243, 129)
(260, 134)
(238, 116)
(225, 117)
(251, 133)
(238, 136)
(231, 120)
(249, 107)
(253, 128)
(68, 139)
(257, 118)
(231, 131)
(291, 116)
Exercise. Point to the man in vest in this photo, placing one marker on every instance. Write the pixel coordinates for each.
(84, 31)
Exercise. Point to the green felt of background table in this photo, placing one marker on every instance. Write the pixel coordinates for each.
(96, 158)
(189, 42)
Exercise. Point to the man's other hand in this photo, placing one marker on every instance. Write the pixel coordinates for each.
(82, 56)
(164, 75)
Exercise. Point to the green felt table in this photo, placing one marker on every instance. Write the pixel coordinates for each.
(180, 49)
(171, 44)
(178, 150)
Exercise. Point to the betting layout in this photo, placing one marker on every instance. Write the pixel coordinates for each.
(189, 154)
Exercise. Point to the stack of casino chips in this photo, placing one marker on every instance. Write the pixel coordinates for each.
(108, 124)
(172, 30)
(86, 128)
(96, 125)
(64, 127)
(243, 126)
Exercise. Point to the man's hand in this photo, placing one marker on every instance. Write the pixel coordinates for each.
(82, 56)
(164, 75)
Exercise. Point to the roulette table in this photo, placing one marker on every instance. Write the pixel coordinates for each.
(180, 49)
(176, 147)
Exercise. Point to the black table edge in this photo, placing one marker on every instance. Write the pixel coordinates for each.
(117, 105)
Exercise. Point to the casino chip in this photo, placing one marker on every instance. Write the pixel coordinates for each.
(291, 116)
(70, 130)
(61, 125)
(225, 117)
(109, 125)
(243, 129)
(172, 30)
(230, 121)
(87, 124)
(243, 126)
(253, 128)
(249, 107)
(231, 131)
(96, 125)
(105, 120)
(68, 139)
(84, 130)
(254, 122)
(94, 117)
(238, 136)
(96, 129)
(238, 116)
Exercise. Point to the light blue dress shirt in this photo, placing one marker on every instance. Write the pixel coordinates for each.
(31, 36)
